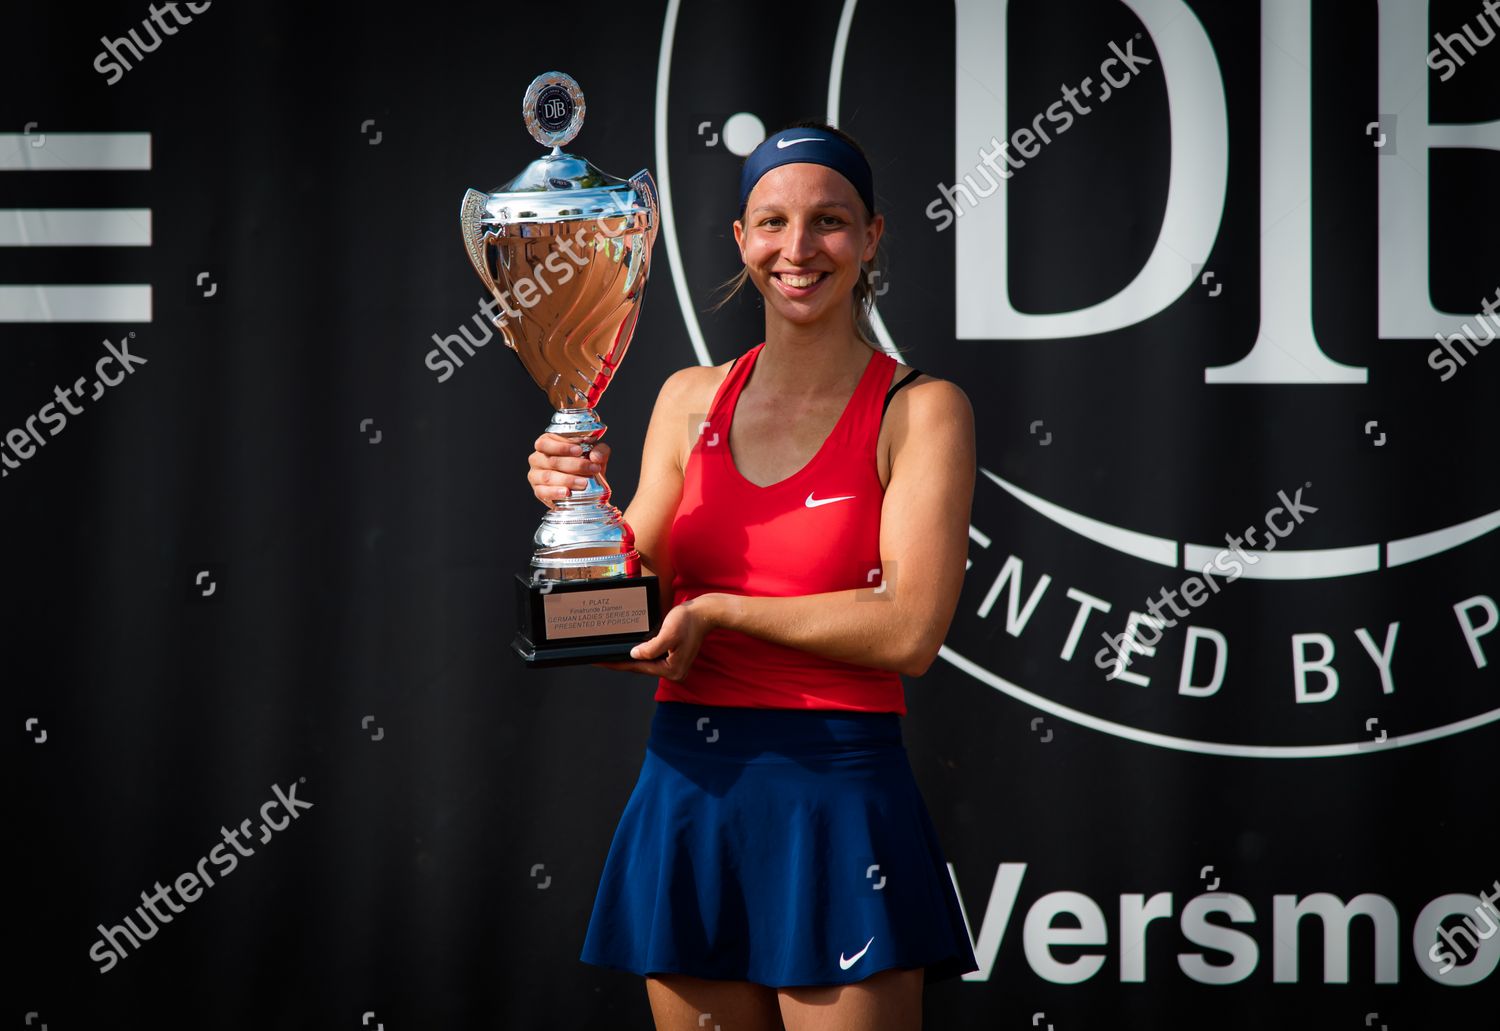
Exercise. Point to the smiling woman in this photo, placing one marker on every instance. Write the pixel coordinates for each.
(870, 271)
(776, 865)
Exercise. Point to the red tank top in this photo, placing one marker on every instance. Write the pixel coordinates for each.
(817, 530)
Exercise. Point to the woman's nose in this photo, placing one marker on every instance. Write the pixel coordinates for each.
(800, 242)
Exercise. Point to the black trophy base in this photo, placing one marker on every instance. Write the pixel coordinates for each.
(576, 622)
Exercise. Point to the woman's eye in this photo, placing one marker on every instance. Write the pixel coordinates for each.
(775, 221)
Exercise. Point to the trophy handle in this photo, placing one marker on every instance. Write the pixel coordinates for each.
(646, 187)
(470, 217)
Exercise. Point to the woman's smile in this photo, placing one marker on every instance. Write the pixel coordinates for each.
(799, 285)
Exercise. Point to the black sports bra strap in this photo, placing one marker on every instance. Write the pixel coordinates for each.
(913, 374)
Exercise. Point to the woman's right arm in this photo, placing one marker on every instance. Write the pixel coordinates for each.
(669, 436)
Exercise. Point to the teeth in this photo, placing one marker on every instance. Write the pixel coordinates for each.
(801, 281)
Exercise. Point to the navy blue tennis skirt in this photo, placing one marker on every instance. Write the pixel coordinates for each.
(779, 846)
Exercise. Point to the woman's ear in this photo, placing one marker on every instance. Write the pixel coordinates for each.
(739, 238)
(873, 232)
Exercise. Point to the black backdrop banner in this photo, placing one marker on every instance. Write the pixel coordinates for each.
(1210, 739)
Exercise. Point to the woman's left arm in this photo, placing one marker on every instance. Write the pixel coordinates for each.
(924, 537)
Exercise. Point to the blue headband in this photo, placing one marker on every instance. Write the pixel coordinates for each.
(813, 146)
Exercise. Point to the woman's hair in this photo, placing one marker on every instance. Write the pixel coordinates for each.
(864, 288)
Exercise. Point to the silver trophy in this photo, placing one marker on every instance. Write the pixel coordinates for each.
(564, 250)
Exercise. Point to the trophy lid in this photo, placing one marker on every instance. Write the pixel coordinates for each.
(560, 186)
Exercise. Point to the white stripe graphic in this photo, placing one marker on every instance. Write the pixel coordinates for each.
(1182, 744)
(75, 152)
(39, 151)
(125, 303)
(1283, 564)
(664, 186)
(75, 227)
(1410, 549)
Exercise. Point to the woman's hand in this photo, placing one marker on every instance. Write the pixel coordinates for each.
(559, 466)
(672, 651)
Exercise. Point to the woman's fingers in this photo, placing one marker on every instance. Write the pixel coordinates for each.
(547, 483)
(557, 453)
(553, 444)
(600, 454)
(556, 467)
(563, 464)
(554, 483)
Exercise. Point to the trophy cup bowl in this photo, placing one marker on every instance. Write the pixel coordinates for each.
(564, 250)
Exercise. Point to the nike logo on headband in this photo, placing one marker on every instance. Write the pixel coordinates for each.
(783, 144)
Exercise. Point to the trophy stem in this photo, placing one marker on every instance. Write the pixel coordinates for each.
(580, 425)
(583, 536)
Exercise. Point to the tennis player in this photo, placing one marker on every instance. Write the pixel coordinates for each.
(806, 507)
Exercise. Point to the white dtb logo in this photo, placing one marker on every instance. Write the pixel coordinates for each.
(1286, 349)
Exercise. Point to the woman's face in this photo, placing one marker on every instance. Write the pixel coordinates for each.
(803, 238)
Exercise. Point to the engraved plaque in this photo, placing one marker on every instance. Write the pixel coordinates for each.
(596, 613)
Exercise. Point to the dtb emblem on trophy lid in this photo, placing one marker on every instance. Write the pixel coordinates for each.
(553, 109)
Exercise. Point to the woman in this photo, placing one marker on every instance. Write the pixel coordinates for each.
(775, 865)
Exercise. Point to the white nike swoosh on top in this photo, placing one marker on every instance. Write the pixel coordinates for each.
(784, 144)
(845, 964)
(824, 501)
